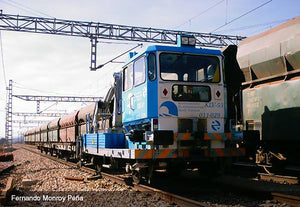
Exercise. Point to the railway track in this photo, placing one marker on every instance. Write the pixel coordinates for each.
(278, 178)
(283, 193)
(289, 199)
(166, 196)
(281, 197)
(163, 194)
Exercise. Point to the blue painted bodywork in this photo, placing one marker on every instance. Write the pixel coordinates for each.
(140, 103)
(104, 140)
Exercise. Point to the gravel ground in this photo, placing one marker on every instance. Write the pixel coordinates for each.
(46, 186)
(39, 181)
(4, 177)
(3, 181)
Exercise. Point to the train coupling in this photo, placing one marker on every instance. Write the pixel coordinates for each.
(266, 157)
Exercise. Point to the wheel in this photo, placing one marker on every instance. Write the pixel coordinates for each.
(128, 168)
(58, 154)
(137, 177)
(98, 168)
(79, 164)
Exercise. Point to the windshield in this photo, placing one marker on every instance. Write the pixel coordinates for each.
(191, 93)
(189, 68)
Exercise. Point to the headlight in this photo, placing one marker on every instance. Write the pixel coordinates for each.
(186, 40)
(192, 41)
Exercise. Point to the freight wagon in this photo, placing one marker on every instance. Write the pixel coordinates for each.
(270, 63)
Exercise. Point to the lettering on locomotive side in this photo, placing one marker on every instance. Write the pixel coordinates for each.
(209, 115)
(214, 105)
(188, 106)
(204, 110)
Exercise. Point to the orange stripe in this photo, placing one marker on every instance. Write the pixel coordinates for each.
(220, 152)
(175, 135)
(228, 135)
(148, 155)
(206, 137)
(137, 153)
(186, 136)
(164, 153)
(184, 153)
(217, 136)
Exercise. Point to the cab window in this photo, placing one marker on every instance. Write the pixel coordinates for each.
(151, 67)
(189, 67)
(139, 71)
(128, 77)
(191, 93)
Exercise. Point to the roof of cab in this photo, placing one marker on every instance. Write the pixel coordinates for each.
(183, 49)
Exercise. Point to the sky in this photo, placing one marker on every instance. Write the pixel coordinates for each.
(41, 64)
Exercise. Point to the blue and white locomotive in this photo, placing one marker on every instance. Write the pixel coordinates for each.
(167, 109)
(171, 102)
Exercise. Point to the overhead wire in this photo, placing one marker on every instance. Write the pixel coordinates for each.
(266, 27)
(21, 86)
(202, 12)
(112, 70)
(226, 17)
(25, 8)
(248, 12)
(255, 25)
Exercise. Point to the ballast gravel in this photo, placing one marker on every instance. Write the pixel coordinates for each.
(39, 181)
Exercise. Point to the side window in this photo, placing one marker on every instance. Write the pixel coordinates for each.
(151, 66)
(139, 71)
(128, 77)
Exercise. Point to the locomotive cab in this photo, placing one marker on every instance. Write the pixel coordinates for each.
(174, 98)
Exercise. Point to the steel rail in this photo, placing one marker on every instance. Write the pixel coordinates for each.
(289, 199)
(166, 196)
(279, 178)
